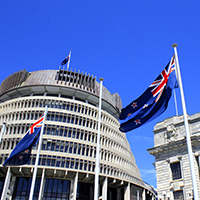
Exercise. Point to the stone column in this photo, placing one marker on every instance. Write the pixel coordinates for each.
(127, 192)
(144, 194)
(12, 185)
(138, 195)
(42, 184)
(105, 189)
(74, 184)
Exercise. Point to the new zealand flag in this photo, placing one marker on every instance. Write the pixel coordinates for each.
(22, 152)
(152, 103)
(65, 60)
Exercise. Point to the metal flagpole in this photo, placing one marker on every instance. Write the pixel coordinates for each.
(96, 189)
(37, 157)
(6, 184)
(2, 131)
(69, 60)
(188, 139)
(175, 102)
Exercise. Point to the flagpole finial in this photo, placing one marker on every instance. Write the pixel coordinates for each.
(174, 45)
(101, 79)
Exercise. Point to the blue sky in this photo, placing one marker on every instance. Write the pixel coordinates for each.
(128, 43)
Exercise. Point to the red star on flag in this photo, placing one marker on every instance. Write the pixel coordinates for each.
(137, 121)
(134, 104)
(26, 151)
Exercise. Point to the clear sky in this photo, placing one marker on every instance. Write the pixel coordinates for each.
(128, 43)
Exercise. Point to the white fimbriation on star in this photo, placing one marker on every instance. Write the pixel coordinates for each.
(134, 104)
(137, 121)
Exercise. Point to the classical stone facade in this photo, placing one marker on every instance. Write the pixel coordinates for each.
(171, 157)
(67, 159)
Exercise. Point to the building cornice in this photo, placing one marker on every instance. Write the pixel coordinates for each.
(173, 144)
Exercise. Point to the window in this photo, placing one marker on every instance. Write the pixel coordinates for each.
(56, 117)
(48, 117)
(12, 144)
(56, 189)
(176, 170)
(58, 163)
(66, 147)
(47, 131)
(53, 162)
(48, 162)
(178, 195)
(22, 188)
(61, 132)
(73, 134)
(52, 146)
(83, 150)
(70, 147)
(79, 149)
(81, 166)
(61, 146)
(77, 135)
(62, 162)
(72, 164)
(75, 148)
(44, 161)
(57, 146)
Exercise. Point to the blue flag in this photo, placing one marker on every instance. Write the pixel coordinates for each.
(65, 60)
(152, 103)
(22, 152)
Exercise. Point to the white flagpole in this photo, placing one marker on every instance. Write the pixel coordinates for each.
(2, 131)
(37, 157)
(188, 139)
(69, 60)
(6, 184)
(96, 189)
(175, 102)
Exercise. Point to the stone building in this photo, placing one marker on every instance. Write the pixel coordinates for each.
(67, 159)
(171, 157)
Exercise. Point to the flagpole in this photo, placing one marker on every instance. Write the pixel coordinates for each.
(2, 131)
(69, 60)
(175, 102)
(6, 184)
(96, 189)
(37, 157)
(188, 139)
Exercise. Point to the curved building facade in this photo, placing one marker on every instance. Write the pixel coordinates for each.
(66, 167)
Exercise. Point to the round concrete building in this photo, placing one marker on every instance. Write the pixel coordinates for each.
(66, 167)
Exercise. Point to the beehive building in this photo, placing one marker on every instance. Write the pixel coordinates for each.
(66, 167)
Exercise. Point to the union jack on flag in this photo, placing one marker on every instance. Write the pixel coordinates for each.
(37, 124)
(21, 153)
(152, 103)
(160, 83)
